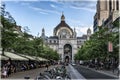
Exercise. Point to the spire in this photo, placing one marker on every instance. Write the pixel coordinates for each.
(89, 30)
(74, 29)
(43, 33)
(43, 30)
(74, 32)
(88, 33)
(62, 17)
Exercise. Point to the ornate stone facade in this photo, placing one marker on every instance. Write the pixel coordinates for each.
(106, 12)
(65, 42)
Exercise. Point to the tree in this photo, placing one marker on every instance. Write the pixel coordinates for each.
(97, 46)
(8, 35)
(7, 30)
(24, 44)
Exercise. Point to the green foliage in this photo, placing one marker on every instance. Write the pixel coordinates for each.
(25, 43)
(7, 32)
(22, 43)
(97, 46)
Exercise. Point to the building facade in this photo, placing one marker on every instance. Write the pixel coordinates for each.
(65, 41)
(106, 12)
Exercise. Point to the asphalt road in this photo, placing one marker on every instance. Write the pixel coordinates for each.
(90, 74)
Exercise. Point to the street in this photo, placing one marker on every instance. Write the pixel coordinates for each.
(76, 72)
(90, 74)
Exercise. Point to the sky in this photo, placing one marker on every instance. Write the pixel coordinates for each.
(38, 14)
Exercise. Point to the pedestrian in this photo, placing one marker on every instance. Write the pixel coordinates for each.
(101, 65)
(5, 71)
(46, 66)
(118, 69)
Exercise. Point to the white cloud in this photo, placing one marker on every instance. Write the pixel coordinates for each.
(44, 10)
(89, 5)
(21, 0)
(84, 8)
(57, 8)
(83, 29)
(75, 21)
(53, 6)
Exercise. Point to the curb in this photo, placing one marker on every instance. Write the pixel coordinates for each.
(76, 72)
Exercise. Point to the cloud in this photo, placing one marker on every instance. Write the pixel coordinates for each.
(25, 3)
(84, 8)
(53, 6)
(57, 7)
(75, 21)
(79, 4)
(41, 10)
(83, 29)
(44, 10)
(85, 5)
(21, 0)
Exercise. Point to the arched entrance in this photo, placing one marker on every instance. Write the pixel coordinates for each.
(67, 53)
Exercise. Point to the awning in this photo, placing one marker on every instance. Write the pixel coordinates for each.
(28, 57)
(3, 57)
(40, 58)
(14, 56)
(45, 59)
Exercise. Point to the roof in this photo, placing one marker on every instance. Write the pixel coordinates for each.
(62, 24)
(14, 56)
(53, 37)
(79, 37)
(83, 37)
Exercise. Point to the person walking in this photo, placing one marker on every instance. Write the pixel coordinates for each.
(46, 66)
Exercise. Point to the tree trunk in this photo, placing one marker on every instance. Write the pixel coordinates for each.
(3, 50)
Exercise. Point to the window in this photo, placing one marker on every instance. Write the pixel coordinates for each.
(110, 5)
(64, 33)
(117, 5)
(50, 41)
(54, 41)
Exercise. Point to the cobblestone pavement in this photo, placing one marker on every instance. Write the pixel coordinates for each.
(74, 74)
(30, 73)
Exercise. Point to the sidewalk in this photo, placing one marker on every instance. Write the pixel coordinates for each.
(74, 73)
(29, 73)
(106, 72)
